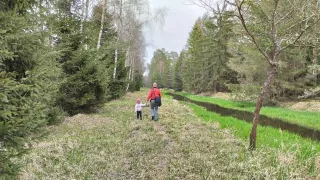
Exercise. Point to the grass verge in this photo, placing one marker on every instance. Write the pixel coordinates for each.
(267, 136)
(303, 118)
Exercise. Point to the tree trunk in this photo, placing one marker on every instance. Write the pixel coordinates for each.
(128, 87)
(215, 86)
(82, 20)
(130, 73)
(85, 18)
(115, 63)
(87, 10)
(102, 21)
(315, 49)
(82, 16)
(69, 10)
(315, 62)
(265, 88)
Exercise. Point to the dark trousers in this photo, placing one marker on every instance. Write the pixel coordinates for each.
(139, 115)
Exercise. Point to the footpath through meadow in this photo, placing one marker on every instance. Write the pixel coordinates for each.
(113, 144)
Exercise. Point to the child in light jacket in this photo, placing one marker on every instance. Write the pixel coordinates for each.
(138, 109)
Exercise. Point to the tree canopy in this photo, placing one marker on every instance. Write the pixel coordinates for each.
(63, 57)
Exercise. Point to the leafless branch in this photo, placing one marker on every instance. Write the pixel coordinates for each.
(239, 9)
(231, 3)
(299, 36)
(274, 32)
(203, 4)
(285, 16)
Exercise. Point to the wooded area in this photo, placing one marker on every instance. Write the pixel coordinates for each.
(65, 57)
(61, 57)
(258, 50)
(221, 56)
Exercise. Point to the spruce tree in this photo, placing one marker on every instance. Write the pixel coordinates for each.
(178, 68)
(26, 101)
(193, 68)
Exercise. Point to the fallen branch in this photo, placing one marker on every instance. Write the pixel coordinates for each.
(310, 93)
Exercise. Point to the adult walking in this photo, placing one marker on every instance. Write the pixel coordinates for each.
(154, 96)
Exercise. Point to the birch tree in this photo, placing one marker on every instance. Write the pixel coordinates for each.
(130, 16)
(83, 7)
(104, 5)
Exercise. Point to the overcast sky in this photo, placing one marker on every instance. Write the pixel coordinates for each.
(179, 21)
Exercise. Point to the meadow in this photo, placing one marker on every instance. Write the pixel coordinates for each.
(186, 143)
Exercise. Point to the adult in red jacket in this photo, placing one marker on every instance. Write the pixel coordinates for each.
(154, 93)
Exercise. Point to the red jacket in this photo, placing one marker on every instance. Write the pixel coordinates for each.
(153, 93)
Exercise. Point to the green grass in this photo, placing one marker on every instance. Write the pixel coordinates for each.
(114, 145)
(303, 118)
(267, 136)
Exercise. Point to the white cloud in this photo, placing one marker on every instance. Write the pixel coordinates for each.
(178, 24)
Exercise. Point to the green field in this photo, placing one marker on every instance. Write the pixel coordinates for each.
(303, 118)
(267, 136)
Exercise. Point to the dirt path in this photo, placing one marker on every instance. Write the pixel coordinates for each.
(115, 145)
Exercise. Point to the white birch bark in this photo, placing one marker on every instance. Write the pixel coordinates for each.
(102, 21)
(115, 63)
(82, 16)
(86, 18)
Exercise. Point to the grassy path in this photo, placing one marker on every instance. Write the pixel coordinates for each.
(114, 145)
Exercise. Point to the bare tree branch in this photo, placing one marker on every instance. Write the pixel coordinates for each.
(298, 37)
(239, 9)
(233, 4)
(274, 32)
(203, 4)
(283, 17)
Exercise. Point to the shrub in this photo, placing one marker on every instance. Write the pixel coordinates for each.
(242, 92)
(85, 88)
(22, 112)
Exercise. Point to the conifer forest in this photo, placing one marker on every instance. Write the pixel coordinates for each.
(240, 100)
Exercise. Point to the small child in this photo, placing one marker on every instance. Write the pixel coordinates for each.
(138, 109)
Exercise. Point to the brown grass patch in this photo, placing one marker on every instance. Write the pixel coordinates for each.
(86, 122)
(221, 95)
(312, 106)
